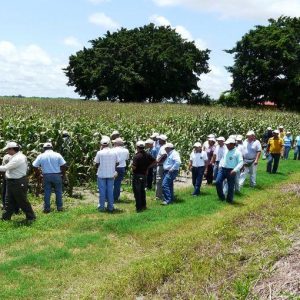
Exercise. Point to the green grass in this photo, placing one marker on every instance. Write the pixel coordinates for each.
(196, 248)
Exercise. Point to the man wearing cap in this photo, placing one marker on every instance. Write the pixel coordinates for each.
(297, 147)
(267, 135)
(274, 148)
(150, 149)
(217, 156)
(115, 134)
(123, 155)
(281, 136)
(198, 166)
(231, 163)
(288, 144)
(161, 157)
(206, 143)
(106, 161)
(52, 166)
(210, 149)
(171, 168)
(251, 154)
(16, 183)
(142, 161)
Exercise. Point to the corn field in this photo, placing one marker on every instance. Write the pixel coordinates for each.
(31, 122)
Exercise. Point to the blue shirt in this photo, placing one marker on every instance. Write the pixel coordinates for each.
(172, 161)
(297, 140)
(153, 152)
(50, 162)
(288, 141)
(232, 160)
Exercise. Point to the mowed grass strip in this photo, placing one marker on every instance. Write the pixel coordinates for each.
(198, 247)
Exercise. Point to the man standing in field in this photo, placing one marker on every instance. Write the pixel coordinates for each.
(16, 183)
(152, 150)
(106, 161)
(230, 164)
(53, 169)
(288, 144)
(171, 169)
(251, 154)
(161, 157)
(218, 154)
(267, 135)
(275, 146)
(210, 149)
(142, 161)
(123, 155)
(297, 147)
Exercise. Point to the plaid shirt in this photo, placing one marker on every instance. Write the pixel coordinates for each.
(107, 160)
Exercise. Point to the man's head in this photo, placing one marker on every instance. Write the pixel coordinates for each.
(47, 146)
(162, 139)
(154, 136)
(239, 139)
(269, 129)
(211, 141)
(198, 147)
(230, 143)
(115, 134)
(149, 143)
(280, 128)
(221, 140)
(250, 135)
(105, 141)
(288, 133)
(169, 147)
(12, 148)
(276, 133)
(118, 142)
(140, 146)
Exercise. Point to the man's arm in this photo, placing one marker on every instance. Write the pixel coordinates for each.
(12, 164)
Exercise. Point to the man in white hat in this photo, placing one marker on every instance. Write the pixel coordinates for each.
(106, 161)
(297, 147)
(288, 144)
(267, 135)
(217, 155)
(274, 149)
(206, 143)
(161, 157)
(16, 183)
(115, 134)
(281, 136)
(142, 161)
(198, 166)
(251, 154)
(51, 166)
(231, 162)
(152, 150)
(171, 169)
(123, 155)
(210, 149)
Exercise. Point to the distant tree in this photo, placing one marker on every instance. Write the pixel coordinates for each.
(267, 64)
(145, 63)
(199, 98)
(231, 99)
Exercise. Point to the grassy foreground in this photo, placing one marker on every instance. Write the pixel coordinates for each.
(194, 249)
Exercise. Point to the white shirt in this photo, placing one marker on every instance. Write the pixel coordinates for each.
(250, 149)
(6, 159)
(240, 147)
(198, 159)
(123, 155)
(232, 160)
(161, 152)
(219, 152)
(50, 162)
(16, 167)
(107, 160)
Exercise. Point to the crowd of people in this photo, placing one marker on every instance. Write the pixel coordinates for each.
(156, 162)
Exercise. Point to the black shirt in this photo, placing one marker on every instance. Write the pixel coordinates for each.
(142, 160)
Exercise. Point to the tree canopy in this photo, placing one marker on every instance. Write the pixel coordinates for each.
(145, 63)
(267, 64)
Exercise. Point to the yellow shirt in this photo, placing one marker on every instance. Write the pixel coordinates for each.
(275, 145)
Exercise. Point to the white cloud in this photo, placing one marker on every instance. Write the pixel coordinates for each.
(249, 9)
(72, 41)
(215, 82)
(185, 33)
(98, 1)
(30, 71)
(103, 21)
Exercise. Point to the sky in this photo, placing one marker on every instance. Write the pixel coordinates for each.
(38, 36)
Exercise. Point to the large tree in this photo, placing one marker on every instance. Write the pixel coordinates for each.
(267, 64)
(145, 63)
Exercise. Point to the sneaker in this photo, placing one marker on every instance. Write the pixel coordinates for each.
(164, 203)
(46, 211)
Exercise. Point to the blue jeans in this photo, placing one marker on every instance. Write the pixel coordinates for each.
(286, 152)
(297, 152)
(117, 183)
(273, 157)
(197, 176)
(168, 185)
(55, 181)
(105, 186)
(216, 168)
(223, 174)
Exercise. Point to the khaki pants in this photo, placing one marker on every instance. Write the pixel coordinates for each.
(159, 178)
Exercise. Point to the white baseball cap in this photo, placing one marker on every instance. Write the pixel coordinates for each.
(149, 141)
(169, 145)
(280, 127)
(276, 131)
(250, 132)
(162, 137)
(221, 138)
(140, 144)
(239, 137)
(47, 145)
(118, 141)
(212, 139)
(105, 140)
(288, 132)
(154, 135)
(211, 136)
(115, 132)
(11, 145)
(197, 144)
(230, 141)
(269, 128)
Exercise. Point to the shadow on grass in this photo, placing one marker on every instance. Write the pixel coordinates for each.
(22, 223)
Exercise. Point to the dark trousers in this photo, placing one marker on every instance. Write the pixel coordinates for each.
(297, 152)
(17, 197)
(273, 158)
(138, 186)
(197, 176)
(223, 174)
(3, 192)
(150, 178)
(210, 174)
